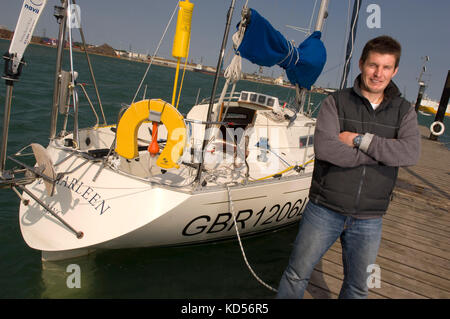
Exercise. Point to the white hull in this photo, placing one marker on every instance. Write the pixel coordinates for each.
(140, 215)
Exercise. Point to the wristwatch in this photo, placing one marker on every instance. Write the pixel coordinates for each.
(357, 140)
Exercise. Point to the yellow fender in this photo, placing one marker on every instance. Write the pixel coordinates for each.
(127, 131)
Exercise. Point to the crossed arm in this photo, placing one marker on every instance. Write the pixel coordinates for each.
(336, 147)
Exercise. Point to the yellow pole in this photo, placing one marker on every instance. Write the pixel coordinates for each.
(182, 79)
(181, 39)
(176, 81)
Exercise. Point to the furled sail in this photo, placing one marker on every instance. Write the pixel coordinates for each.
(262, 44)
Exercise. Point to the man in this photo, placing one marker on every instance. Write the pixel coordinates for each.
(363, 134)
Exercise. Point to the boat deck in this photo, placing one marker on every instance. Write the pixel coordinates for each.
(414, 255)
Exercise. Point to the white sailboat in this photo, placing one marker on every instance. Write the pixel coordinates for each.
(241, 162)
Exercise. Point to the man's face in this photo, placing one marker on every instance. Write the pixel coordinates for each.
(377, 71)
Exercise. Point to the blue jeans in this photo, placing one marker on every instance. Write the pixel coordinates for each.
(319, 228)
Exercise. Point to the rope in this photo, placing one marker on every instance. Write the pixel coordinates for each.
(290, 54)
(240, 243)
(233, 72)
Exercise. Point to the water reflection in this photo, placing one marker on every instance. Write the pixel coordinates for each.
(202, 271)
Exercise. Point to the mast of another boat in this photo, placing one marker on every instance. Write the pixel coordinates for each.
(350, 43)
(422, 85)
(29, 15)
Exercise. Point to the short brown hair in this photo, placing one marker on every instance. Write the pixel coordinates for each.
(384, 45)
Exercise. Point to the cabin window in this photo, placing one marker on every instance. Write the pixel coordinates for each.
(304, 140)
(262, 99)
(233, 116)
(244, 96)
(253, 97)
(270, 101)
(237, 117)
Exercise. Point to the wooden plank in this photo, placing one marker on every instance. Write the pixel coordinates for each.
(400, 211)
(415, 230)
(329, 276)
(314, 292)
(412, 223)
(419, 235)
(411, 207)
(397, 209)
(407, 257)
(407, 270)
(324, 276)
(419, 244)
(412, 258)
(421, 202)
(394, 277)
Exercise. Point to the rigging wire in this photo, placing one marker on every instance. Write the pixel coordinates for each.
(154, 54)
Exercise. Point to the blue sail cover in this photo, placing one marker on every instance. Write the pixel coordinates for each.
(265, 46)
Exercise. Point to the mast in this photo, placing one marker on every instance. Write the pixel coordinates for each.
(350, 43)
(300, 92)
(322, 15)
(26, 23)
(214, 88)
(61, 17)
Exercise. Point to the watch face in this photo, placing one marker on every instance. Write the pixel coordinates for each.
(357, 140)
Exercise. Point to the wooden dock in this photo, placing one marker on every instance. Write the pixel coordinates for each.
(414, 255)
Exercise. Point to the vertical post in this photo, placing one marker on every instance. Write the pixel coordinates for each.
(422, 87)
(442, 105)
(61, 16)
(6, 117)
(175, 82)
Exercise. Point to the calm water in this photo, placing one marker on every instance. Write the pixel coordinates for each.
(205, 271)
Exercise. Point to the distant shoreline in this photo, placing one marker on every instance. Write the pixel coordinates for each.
(168, 63)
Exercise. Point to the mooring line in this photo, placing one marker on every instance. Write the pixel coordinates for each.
(231, 207)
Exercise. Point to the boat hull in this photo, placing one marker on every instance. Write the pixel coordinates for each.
(118, 211)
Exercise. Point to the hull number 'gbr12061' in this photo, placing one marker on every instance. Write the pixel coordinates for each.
(223, 222)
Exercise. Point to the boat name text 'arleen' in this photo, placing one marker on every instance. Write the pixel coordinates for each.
(86, 192)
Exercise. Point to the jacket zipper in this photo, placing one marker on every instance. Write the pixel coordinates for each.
(358, 194)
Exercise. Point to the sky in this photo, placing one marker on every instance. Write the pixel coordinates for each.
(422, 27)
